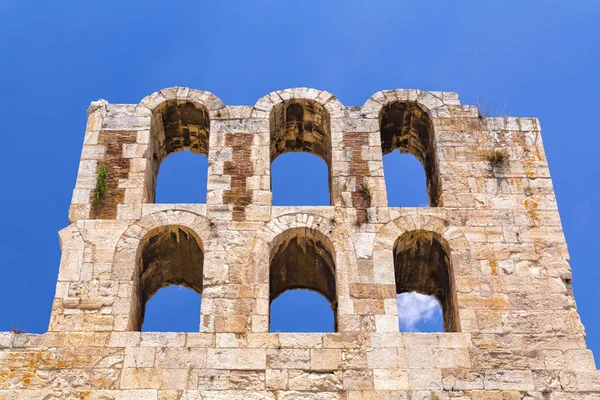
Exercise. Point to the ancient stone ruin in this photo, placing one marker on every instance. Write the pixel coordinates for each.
(489, 247)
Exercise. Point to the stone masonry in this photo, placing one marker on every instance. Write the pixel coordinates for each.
(490, 248)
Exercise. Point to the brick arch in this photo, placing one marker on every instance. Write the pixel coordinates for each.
(200, 98)
(450, 237)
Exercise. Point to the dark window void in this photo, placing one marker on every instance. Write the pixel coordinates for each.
(176, 127)
(303, 259)
(301, 126)
(406, 127)
(170, 255)
(182, 178)
(301, 311)
(299, 179)
(422, 264)
(405, 180)
(173, 309)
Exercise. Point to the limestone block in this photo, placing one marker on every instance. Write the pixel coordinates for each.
(301, 340)
(425, 379)
(137, 395)
(237, 395)
(508, 380)
(295, 395)
(182, 358)
(243, 359)
(382, 358)
(288, 358)
(325, 359)
(141, 378)
(247, 380)
(276, 379)
(315, 381)
(357, 379)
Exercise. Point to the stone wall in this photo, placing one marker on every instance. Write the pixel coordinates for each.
(491, 249)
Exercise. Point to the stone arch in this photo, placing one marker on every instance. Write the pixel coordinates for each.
(199, 98)
(346, 262)
(168, 255)
(130, 241)
(411, 232)
(127, 261)
(180, 120)
(264, 105)
(341, 240)
(303, 258)
(434, 103)
(303, 120)
(406, 125)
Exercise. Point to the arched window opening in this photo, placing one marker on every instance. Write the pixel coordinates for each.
(422, 264)
(301, 310)
(173, 309)
(176, 127)
(184, 164)
(303, 259)
(300, 125)
(171, 255)
(405, 180)
(406, 127)
(299, 179)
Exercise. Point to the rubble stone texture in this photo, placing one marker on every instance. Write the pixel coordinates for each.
(490, 248)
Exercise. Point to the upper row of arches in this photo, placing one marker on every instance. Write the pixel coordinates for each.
(300, 121)
(436, 103)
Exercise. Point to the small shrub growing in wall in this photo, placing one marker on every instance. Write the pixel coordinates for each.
(484, 111)
(365, 190)
(496, 157)
(101, 183)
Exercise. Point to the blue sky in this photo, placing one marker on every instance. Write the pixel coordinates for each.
(526, 58)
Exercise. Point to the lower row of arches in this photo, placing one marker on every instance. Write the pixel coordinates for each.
(303, 292)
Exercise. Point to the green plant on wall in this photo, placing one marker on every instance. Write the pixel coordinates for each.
(101, 183)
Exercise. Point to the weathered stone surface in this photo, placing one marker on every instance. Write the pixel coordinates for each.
(490, 249)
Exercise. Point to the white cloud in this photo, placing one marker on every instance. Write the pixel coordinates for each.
(414, 307)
